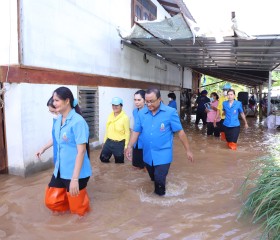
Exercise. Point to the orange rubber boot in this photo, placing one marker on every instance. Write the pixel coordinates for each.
(223, 136)
(232, 145)
(79, 204)
(56, 199)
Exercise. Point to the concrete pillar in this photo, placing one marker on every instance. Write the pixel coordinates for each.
(260, 98)
(269, 93)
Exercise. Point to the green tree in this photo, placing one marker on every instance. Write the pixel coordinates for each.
(216, 85)
(276, 78)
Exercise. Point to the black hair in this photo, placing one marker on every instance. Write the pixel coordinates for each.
(215, 94)
(172, 95)
(63, 93)
(50, 102)
(154, 90)
(141, 92)
(231, 90)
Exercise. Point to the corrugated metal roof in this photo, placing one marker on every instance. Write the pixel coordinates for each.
(235, 59)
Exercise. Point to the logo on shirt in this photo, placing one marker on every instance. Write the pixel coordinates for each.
(234, 111)
(64, 137)
(162, 127)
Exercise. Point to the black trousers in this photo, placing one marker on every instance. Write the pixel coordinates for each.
(158, 175)
(65, 183)
(137, 157)
(211, 129)
(222, 126)
(110, 148)
(232, 133)
(202, 116)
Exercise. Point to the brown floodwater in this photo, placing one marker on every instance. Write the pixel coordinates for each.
(202, 199)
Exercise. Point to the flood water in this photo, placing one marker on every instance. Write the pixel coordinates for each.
(202, 200)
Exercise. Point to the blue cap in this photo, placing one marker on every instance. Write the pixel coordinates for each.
(227, 86)
(117, 101)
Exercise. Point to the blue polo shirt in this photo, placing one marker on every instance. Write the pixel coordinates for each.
(173, 104)
(232, 113)
(157, 133)
(54, 142)
(140, 138)
(74, 131)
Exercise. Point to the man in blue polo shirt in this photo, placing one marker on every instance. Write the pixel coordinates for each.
(157, 123)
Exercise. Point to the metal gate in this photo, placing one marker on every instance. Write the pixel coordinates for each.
(3, 152)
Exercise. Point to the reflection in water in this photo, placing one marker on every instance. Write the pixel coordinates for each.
(202, 200)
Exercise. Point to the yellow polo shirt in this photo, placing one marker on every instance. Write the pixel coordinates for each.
(117, 128)
(220, 105)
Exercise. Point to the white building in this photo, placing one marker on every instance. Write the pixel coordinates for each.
(46, 44)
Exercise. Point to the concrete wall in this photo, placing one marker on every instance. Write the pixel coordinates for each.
(187, 78)
(9, 34)
(82, 36)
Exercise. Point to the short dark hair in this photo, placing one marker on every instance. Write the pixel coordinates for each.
(50, 103)
(231, 90)
(215, 94)
(141, 92)
(172, 95)
(154, 90)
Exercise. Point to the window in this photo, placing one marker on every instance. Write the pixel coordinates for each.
(146, 16)
(138, 12)
(88, 102)
(143, 10)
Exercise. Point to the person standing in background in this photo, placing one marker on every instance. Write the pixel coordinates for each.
(117, 133)
(51, 142)
(172, 100)
(212, 121)
(201, 109)
(67, 188)
(231, 109)
(137, 157)
(220, 115)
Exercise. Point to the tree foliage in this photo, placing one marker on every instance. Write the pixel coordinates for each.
(276, 78)
(212, 84)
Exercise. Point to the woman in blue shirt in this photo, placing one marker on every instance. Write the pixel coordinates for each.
(231, 110)
(137, 156)
(172, 100)
(67, 188)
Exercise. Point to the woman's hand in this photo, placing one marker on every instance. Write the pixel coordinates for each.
(74, 187)
(40, 152)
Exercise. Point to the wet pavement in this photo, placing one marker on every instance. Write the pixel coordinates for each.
(202, 200)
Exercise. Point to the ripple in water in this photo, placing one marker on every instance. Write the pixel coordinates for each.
(174, 194)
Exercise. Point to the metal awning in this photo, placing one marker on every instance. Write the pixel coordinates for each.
(235, 59)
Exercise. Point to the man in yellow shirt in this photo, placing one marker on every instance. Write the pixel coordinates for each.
(222, 98)
(117, 133)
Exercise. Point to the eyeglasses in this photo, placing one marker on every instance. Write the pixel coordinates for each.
(151, 101)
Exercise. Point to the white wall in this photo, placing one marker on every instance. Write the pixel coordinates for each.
(82, 36)
(9, 35)
(187, 78)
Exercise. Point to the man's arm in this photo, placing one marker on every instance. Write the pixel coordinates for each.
(184, 140)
